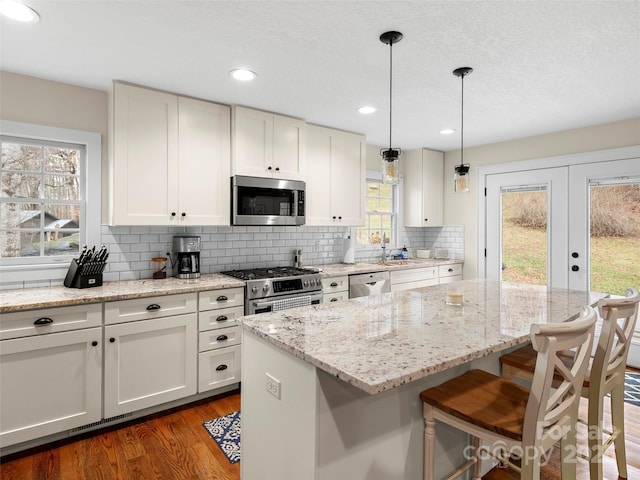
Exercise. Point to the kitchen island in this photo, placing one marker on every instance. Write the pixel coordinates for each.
(331, 391)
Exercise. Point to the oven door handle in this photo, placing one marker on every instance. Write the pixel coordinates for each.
(260, 305)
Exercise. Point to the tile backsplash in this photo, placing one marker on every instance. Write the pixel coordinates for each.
(131, 248)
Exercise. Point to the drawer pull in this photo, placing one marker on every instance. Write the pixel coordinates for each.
(222, 318)
(222, 367)
(153, 306)
(334, 299)
(94, 343)
(450, 270)
(334, 284)
(222, 298)
(43, 321)
(111, 340)
(221, 338)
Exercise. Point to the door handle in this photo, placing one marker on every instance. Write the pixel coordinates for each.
(575, 268)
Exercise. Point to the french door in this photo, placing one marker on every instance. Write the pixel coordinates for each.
(575, 226)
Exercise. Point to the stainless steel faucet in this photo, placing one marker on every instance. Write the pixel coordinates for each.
(384, 247)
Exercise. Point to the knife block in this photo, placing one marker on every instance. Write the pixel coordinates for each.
(84, 276)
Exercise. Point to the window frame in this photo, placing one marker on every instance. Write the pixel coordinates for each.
(396, 220)
(54, 268)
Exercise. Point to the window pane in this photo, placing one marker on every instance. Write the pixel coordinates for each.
(385, 205)
(374, 221)
(19, 215)
(373, 204)
(386, 223)
(59, 187)
(20, 185)
(386, 190)
(60, 160)
(16, 156)
(373, 189)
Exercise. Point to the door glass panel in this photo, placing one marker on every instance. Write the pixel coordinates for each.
(614, 236)
(524, 235)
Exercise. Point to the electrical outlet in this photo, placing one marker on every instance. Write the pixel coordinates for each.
(273, 386)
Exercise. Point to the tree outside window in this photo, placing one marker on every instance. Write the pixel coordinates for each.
(380, 214)
(40, 203)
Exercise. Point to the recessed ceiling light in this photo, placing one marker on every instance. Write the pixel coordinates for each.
(18, 11)
(366, 110)
(242, 74)
(447, 131)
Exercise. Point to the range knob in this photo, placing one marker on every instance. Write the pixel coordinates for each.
(254, 289)
(305, 283)
(312, 282)
(265, 288)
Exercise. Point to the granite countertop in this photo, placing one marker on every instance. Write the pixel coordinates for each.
(336, 269)
(30, 298)
(379, 342)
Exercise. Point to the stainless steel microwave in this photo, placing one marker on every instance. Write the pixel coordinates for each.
(266, 201)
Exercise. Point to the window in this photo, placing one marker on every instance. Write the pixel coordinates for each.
(50, 188)
(42, 209)
(380, 215)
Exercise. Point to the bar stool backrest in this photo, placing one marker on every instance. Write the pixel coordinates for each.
(619, 317)
(549, 412)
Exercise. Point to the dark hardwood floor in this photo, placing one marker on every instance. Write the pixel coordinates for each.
(174, 445)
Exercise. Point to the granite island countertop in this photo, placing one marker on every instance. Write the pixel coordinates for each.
(58, 296)
(336, 269)
(380, 342)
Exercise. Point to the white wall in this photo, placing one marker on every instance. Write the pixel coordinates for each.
(461, 209)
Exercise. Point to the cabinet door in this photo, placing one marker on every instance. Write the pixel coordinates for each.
(49, 383)
(348, 182)
(252, 142)
(205, 163)
(144, 154)
(288, 147)
(318, 182)
(149, 362)
(422, 172)
(218, 368)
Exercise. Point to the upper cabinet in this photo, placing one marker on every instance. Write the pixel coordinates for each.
(336, 171)
(423, 187)
(169, 159)
(267, 145)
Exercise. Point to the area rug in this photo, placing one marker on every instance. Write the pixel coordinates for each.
(226, 432)
(632, 388)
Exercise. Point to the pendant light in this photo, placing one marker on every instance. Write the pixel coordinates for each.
(461, 175)
(390, 174)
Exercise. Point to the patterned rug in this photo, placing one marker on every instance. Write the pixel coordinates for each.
(226, 432)
(632, 388)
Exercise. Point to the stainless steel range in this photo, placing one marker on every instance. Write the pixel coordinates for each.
(278, 288)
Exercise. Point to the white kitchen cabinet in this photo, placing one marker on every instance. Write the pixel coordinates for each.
(450, 273)
(169, 159)
(267, 145)
(220, 338)
(336, 177)
(49, 382)
(152, 361)
(335, 289)
(423, 195)
(413, 278)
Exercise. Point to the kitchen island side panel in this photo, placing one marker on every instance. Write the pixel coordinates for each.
(278, 435)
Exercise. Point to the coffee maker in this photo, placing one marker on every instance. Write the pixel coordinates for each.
(187, 250)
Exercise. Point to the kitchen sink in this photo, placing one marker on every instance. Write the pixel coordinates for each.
(405, 261)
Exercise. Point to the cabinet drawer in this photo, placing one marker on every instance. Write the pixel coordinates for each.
(221, 318)
(335, 284)
(223, 298)
(413, 275)
(335, 296)
(217, 368)
(222, 337)
(452, 279)
(149, 307)
(450, 270)
(49, 320)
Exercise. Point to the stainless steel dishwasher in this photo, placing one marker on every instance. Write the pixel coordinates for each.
(369, 284)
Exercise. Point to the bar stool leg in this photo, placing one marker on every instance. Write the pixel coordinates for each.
(476, 451)
(594, 437)
(617, 422)
(429, 441)
(568, 457)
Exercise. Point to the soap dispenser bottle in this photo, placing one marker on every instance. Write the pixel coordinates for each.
(404, 253)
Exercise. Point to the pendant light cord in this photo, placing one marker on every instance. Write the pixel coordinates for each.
(390, 89)
(462, 123)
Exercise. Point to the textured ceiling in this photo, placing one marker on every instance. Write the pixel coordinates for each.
(539, 66)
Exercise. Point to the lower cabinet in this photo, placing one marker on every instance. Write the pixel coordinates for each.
(149, 362)
(335, 288)
(49, 383)
(219, 338)
(450, 273)
(425, 276)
